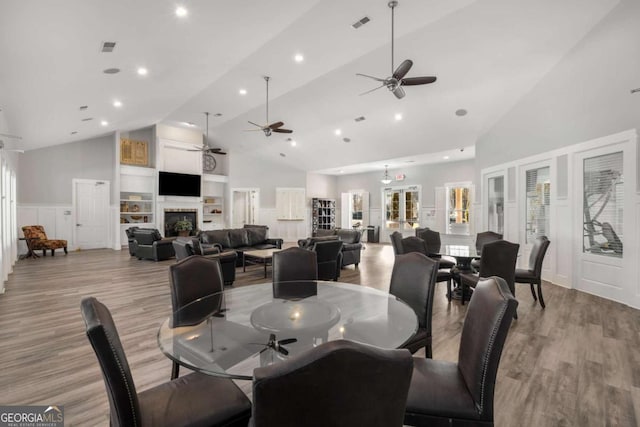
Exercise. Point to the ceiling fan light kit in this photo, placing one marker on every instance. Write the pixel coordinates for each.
(397, 79)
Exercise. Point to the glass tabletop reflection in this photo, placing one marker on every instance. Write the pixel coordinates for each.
(230, 333)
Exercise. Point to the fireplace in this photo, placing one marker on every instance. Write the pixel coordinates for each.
(171, 216)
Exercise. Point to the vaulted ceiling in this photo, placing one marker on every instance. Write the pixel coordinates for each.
(486, 54)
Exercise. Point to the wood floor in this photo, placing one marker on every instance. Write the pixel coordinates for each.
(577, 363)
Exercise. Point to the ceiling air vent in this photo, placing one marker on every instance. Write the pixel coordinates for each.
(636, 90)
(88, 119)
(360, 23)
(359, 119)
(108, 47)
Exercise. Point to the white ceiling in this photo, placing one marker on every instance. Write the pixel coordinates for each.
(486, 54)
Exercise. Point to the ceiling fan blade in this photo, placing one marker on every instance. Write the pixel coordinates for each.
(287, 341)
(217, 151)
(403, 69)
(276, 125)
(255, 124)
(414, 81)
(283, 351)
(372, 90)
(280, 130)
(399, 92)
(253, 130)
(371, 77)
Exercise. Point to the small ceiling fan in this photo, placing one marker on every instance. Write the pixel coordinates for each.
(9, 147)
(273, 127)
(398, 79)
(205, 146)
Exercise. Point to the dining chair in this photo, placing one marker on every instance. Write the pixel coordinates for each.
(294, 264)
(434, 245)
(339, 384)
(191, 400)
(444, 393)
(413, 280)
(190, 279)
(396, 242)
(329, 259)
(533, 274)
(498, 259)
(482, 239)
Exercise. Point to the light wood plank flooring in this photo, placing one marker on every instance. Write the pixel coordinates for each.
(577, 363)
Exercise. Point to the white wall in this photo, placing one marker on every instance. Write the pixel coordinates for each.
(586, 96)
(9, 242)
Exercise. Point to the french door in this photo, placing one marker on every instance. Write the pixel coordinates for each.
(401, 207)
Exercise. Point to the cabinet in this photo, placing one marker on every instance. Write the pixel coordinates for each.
(323, 215)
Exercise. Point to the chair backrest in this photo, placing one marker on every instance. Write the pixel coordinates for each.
(396, 242)
(146, 236)
(486, 237)
(183, 247)
(485, 329)
(327, 251)
(294, 264)
(499, 259)
(34, 232)
(339, 384)
(192, 278)
(414, 244)
(431, 239)
(413, 280)
(103, 336)
(536, 257)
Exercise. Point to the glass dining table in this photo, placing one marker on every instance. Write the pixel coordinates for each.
(230, 333)
(463, 254)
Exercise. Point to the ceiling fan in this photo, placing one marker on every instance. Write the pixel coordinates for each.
(273, 127)
(398, 79)
(9, 147)
(205, 146)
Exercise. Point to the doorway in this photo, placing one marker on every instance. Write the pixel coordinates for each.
(401, 209)
(245, 204)
(91, 213)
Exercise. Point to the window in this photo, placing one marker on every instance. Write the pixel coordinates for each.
(458, 204)
(356, 210)
(495, 214)
(603, 198)
(538, 200)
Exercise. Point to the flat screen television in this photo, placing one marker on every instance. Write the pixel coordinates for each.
(178, 184)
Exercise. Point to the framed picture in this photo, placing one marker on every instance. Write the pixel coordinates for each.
(134, 152)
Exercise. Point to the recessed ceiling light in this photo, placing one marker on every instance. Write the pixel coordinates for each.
(293, 143)
(341, 171)
(111, 71)
(181, 11)
(104, 123)
(188, 124)
(117, 103)
(242, 91)
(398, 116)
(298, 57)
(142, 71)
(461, 112)
(338, 132)
(446, 157)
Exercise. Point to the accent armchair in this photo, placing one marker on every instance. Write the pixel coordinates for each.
(37, 239)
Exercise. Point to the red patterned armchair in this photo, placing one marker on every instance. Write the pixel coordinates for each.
(37, 239)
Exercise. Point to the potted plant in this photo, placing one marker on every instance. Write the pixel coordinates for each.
(183, 227)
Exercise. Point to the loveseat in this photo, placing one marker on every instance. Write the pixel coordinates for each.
(351, 246)
(251, 237)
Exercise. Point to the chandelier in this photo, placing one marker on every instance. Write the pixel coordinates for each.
(385, 179)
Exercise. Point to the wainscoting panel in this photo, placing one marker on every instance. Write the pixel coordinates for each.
(56, 220)
(560, 247)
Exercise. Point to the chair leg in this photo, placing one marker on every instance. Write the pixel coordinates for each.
(65, 250)
(462, 292)
(449, 290)
(53, 252)
(175, 370)
(428, 351)
(533, 292)
(44, 252)
(540, 294)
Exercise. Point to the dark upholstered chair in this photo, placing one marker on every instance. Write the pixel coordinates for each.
(329, 258)
(351, 245)
(461, 394)
(294, 264)
(149, 244)
(396, 242)
(338, 384)
(533, 274)
(434, 245)
(482, 239)
(192, 278)
(191, 400)
(189, 246)
(37, 239)
(413, 280)
(498, 259)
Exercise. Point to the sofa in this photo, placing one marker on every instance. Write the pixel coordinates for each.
(149, 244)
(250, 237)
(351, 245)
(185, 247)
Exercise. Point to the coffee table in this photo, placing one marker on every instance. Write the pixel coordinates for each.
(260, 256)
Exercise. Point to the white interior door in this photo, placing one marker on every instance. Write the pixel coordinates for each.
(401, 207)
(245, 203)
(91, 207)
